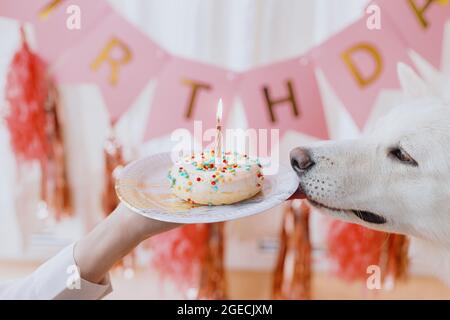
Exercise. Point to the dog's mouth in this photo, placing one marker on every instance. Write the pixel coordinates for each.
(366, 216)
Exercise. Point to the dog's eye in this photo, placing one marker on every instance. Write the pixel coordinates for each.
(402, 156)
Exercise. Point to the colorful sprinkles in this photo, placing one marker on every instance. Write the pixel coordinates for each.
(205, 162)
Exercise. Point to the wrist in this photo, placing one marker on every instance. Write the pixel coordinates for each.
(129, 222)
(140, 227)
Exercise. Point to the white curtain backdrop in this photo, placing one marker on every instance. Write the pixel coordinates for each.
(237, 34)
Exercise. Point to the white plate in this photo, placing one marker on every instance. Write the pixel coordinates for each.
(143, 186)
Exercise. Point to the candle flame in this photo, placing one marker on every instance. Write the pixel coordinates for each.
(219, 110)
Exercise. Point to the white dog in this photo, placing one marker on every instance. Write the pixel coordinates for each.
(395, 179)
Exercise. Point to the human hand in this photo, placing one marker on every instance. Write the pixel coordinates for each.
(112, 239)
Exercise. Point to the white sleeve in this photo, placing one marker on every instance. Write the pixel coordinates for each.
(58, 278)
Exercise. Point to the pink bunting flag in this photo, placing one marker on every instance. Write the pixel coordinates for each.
(23, 10)
(58, 31)
(59, 25)
(117, 57)
(359, 63)
(420, 23)
(284, 96)
(188, 91)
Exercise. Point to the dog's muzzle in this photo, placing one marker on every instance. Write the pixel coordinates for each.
(302, 162)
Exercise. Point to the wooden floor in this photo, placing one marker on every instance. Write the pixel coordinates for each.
(145, 284)
(257, 285)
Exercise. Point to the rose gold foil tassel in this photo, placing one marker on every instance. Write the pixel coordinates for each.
(301, 279)
(397, 261)
(213, 284)
(114, 161)
(278, 274)
(55, 186)
(295, 240)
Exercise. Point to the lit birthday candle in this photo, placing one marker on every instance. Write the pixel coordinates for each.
(213, 178)
(218, 146)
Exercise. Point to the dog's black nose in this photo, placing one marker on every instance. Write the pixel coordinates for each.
(301, 160)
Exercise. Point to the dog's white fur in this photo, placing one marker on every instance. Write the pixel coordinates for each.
(363, 175)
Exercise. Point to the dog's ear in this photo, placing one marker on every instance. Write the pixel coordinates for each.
(413, 86)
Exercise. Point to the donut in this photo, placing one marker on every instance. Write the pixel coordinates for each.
(198, 180)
